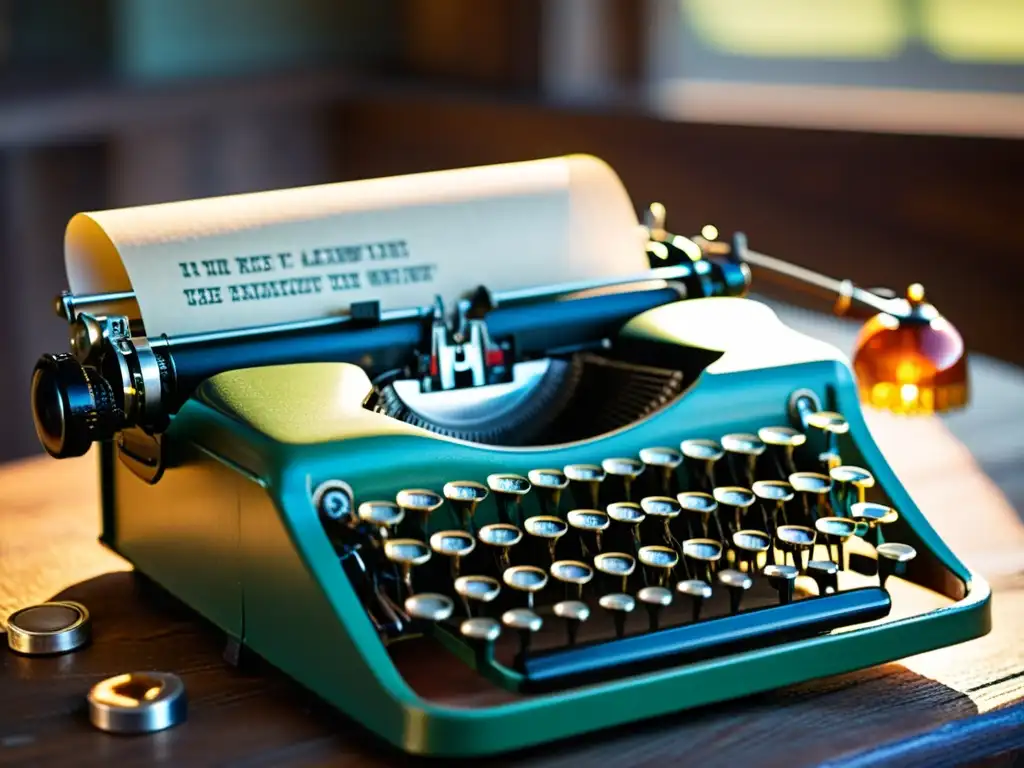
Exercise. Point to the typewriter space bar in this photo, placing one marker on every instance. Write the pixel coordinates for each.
(748, 630)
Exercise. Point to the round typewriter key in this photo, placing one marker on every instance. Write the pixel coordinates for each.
(628, 513)
(893, 559)
(508, 491)
(572, 572)
(501, 536)
(836, 531)
(735, 499)
(828, 421)
(825, 574)
(751, 544)
(846, 476)
(385, 516)
(49, 628)
(774, 494)
(625, 471)
(703, 553)
(590, 522)
(549, 528)
(783, 579)
(875, 516)
(549, 484)
(745, 448)
(525, 622)
(616, 564)
(332, 500)
(737, 583)
(418, 503)
(574, 613)
(476, 589)
(619, 606)
(465, 496)
(659, 559)
(405, 553)
(697, 591)
(702, 506)
(655, 599)
(525, 578)
(453, 544)
(782, 441)
(665, 509)
(586, 481)
(795, 540)
(138, 702)
(481, 633)
(429, 606)
(813, 484)
(663, 463)
(701, 455)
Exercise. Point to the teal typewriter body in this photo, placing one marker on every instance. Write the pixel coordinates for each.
(286, 507)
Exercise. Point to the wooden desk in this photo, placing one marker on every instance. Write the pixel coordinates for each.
(923, 710)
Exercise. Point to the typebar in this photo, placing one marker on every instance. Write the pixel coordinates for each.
(771, 625)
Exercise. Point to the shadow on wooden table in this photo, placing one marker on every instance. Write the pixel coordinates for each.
(259, 717)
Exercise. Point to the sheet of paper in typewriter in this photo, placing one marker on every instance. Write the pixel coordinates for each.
(295, 254)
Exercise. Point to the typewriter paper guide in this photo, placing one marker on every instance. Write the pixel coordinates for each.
(296, 254)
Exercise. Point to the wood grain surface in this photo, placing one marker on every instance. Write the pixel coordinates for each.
(48, 547)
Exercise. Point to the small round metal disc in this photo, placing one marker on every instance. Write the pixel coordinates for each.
(830, 421)
(464, 490)
(661, 457)
(617, 602)
(660, 506)
(734, 496)
(840, 527)
(572, 571)
(657, 556)
(406, 551)
(694, 588)
(751, 541)
(772, 490)
(429, 606)
(850, 474)
(655, 596)
(796, 535)
(522, 619)
(626, 512)
(452, 543)
(48, 628)
(385, 513)
(548, 478)
(749, 445)
(702, 450)
(419, 500)
(573, 610)
(810, 482)
(585, 473)
(482, 588)
(500, 535)
(735, 579)
(787, 572)
(784, 436)
(480, 628)
(823, 566)
(510, 485)
(706, 550)
(615, 563)
(546, 526)
(901, 553)
(696, 501)
(525, 578)
(870, 512)
(588, 519)
(137, 702)
(622, 467)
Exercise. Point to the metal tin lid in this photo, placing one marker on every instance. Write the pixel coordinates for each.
(49, 628)
(138, 702)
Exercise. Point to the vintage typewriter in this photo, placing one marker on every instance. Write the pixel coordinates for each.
(540, 513)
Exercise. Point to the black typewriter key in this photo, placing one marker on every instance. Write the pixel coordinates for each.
(476, 590)
(892, 560)
(836, 531)
(383, 516)
(814, 490)
(703, 554)
(619, 606)
(509, 491)
(549, 484)
(733, 503)
(662, 511)
(702, 508)
(528, 579)
(481, 633)
(454, 545)
(783, 580)
(750, 545)
(659, 561)
(655, 599)
(590, 524)
(618, 566)
(418, 504)
(332, 500)
(429, 607)
(795, 540)
(574, 574)
(573, 613)
(825, 574)
(874, 516)
(585, 483)
(620, 476)
(627, 517)
(737, 583)
(781, 442)
(525, 623)
(774, 495)
(700, 457)
(406, 553)
(696, 591)
(832, 425)
(846, 477)
(502, 537)
(662, 464)
(547, 528)
(465, 496)
(742, 451)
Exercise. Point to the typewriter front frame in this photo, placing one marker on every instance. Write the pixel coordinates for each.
(229, 530)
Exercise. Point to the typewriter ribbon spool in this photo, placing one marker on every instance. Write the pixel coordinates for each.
(608, 470)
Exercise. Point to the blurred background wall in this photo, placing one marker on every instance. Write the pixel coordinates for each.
(872, 139)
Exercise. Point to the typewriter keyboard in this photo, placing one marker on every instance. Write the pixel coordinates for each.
(593, 571)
